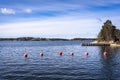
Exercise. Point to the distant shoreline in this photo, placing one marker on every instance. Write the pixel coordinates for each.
(44, 39)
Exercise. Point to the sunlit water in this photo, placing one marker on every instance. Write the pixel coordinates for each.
(13, 66)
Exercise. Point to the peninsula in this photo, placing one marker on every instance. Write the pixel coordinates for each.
(109, 34)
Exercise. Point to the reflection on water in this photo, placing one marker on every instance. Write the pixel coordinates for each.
(110, 62)
(51, 66)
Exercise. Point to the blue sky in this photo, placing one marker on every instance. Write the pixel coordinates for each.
(56, 18)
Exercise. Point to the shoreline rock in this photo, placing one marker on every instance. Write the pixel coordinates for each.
(112, 44)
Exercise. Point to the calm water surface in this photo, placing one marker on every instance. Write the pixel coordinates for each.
(13, 66)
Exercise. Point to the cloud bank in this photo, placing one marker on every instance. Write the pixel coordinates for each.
(56, 18)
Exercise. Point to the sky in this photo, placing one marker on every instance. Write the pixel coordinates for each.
(56, 18)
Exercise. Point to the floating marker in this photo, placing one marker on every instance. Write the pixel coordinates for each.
(71, 53)
(105, 53)
(60, 53)
(86, 53)
(25, 55)
(41, 54)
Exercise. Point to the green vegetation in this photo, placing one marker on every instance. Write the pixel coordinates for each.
(43, 39)
(109, 32)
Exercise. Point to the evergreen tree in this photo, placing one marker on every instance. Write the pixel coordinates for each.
(108, 32)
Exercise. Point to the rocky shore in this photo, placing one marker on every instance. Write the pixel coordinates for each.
(112, 44)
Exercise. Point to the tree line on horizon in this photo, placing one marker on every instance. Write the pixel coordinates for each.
(109, 32)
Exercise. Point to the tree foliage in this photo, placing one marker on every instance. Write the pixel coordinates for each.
(108, 32)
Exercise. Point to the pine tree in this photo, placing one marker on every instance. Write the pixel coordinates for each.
(108, 32)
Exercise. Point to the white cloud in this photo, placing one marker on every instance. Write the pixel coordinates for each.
(66, 28)
(84, 22)
(28, 10)
(7, 11)
(71, 5)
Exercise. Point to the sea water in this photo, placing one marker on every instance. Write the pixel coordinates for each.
(51, 66)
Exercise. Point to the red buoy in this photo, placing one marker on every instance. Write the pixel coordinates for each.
(41, 54)
(25, 55)
(60, 53)
(71, 53)
(86, 53)
(105, 53)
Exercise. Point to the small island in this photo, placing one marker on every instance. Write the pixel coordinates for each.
(109, 34)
